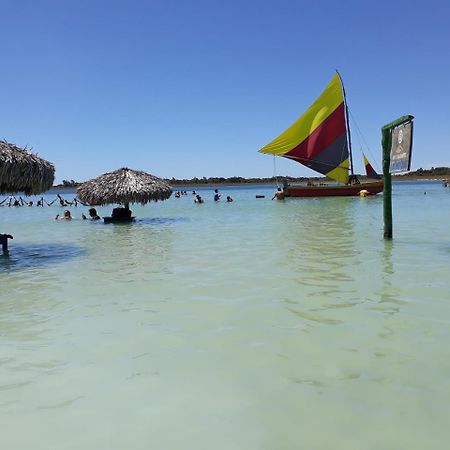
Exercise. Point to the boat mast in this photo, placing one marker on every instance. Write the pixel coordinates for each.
(347, 125)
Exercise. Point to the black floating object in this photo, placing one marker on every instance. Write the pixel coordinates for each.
(260, 196)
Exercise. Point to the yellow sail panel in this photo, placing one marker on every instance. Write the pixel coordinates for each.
(340, 173)
(330, 99)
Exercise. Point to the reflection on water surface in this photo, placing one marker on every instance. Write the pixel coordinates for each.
(24, 256)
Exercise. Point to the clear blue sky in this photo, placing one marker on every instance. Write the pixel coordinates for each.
(195, 88)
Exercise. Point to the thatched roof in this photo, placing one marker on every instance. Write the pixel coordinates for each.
(124, 186)
(21, 171)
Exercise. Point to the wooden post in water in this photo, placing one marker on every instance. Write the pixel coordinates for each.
(386, 142)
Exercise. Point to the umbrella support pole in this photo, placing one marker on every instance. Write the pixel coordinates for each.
(4, 242)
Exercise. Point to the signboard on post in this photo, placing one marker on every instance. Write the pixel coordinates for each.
(396, 140)
(401, 148)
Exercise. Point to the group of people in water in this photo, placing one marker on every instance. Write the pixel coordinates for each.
(198, 199)
(67, 215)
(13, 201)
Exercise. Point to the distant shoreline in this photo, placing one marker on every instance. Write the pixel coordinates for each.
(258, 183)
(420, 178)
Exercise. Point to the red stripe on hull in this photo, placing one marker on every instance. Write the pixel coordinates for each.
(324, 135)
(334, 191)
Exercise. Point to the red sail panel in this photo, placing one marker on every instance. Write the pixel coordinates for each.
(325, 150)
(370, 171)
(318, 139)
(322, 137)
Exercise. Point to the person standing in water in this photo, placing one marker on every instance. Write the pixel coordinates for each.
(279, 195)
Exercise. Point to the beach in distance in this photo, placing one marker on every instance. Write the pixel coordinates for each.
(252, 324)
(240, 181)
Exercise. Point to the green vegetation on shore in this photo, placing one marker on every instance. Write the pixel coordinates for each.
(434, 172)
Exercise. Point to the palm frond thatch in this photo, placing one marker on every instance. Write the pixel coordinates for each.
(21, 171)
(124, 186)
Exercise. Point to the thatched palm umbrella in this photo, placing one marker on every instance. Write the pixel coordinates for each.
(21, 171)
(124, 186)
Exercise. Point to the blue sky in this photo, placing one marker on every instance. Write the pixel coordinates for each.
(195, 88)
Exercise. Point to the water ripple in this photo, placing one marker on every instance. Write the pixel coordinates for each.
(23, 256)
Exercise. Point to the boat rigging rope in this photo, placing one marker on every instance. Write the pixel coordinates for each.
(361, 136)
(275, 171)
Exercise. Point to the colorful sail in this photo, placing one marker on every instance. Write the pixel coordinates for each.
(370, 171)
(318, 139)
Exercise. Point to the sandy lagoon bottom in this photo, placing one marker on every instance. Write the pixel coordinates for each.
(251, 325)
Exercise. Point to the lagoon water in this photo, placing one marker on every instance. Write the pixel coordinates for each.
(254, 325)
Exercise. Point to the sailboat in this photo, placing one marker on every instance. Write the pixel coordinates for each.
(320, 139)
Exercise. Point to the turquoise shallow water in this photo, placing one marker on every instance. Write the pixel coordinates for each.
(251, 325)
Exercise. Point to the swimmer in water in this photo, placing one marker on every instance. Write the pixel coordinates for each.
(66, 216)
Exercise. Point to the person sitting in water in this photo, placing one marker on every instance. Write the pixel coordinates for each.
(353, 179)
(229, 199)
(198, 199)
(279, 195)
(66, 216)
(92, 214)
(62, 202)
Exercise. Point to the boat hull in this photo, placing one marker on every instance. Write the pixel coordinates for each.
(334, 191)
